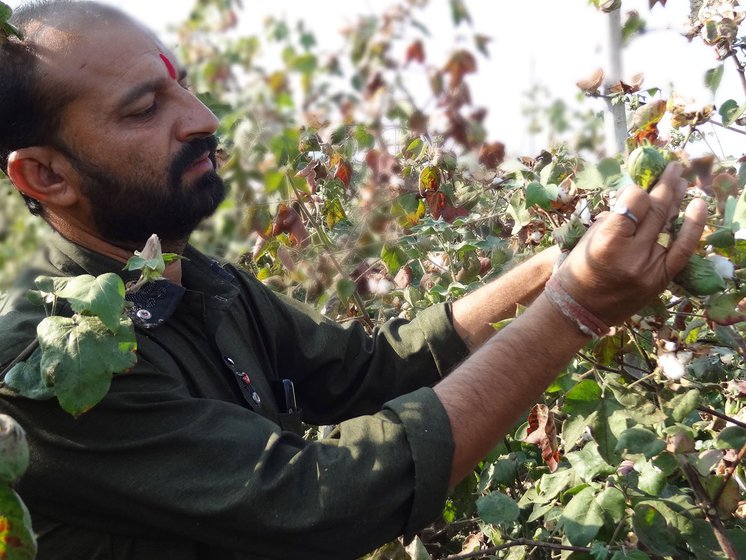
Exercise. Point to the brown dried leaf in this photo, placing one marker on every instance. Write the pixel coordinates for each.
(543, 432)
(592, 82)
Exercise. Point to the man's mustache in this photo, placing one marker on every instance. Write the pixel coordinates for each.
(191, 152)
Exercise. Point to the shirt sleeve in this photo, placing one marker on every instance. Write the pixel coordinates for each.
(340, 371)
(150, 459)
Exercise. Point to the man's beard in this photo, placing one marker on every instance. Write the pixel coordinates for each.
(127, 210)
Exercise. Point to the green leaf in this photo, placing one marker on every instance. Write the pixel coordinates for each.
(640, 440)
(730, 111)
(569, 233)
(651, 528)
(550, 485)
(732, 437)
(613, 504)
(17, 541)
(588, 463)
(723, 308)
(9, 30)
(459, 12)
(652, 480)
(683, 405)
(497, 508)
(586, 408)
(25, 378)
(102, 296)
(393, 257)
(713, 76)
(345, 289)
(79, 356)
(589, 178)
(582, 518)
(538, 194)
(519, 212)
(630, 555)
(5, 12)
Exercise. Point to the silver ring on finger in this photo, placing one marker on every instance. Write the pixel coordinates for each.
(622, 210)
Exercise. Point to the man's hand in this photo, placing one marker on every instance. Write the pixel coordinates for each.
(618, 266)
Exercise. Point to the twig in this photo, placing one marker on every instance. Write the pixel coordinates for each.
(710, 512)
(329, 251)
(517, 542)
(729, 473)
(721, 416)
(740, 69)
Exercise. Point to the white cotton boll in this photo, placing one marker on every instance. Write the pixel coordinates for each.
(583, 211)
(670, 346)
(740, 234)
(671, 366)
(722, 265)
(384, 287)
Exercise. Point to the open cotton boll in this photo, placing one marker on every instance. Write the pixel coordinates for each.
(722, 265)
(673, 364)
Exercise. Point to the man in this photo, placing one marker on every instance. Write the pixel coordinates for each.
(186, 456)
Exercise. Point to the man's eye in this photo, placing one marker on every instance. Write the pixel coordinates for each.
(149, 112)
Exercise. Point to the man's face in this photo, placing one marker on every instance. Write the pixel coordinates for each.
(142, 146)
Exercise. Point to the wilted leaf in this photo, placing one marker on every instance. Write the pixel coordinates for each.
(430, 178)
(415, 52)
(79, 356)
(724, 309)
(460, 63)
(17, 541)
(542, 432)
(497, 508)
(592, 82)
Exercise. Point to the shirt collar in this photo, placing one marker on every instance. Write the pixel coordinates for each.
(153, 304)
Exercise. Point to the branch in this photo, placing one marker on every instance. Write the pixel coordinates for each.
(729, 473)
(517, 542)
(710, 512)
(721, 416)
(740, 69)
(329, 251)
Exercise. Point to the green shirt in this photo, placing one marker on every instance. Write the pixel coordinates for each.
(178, 461)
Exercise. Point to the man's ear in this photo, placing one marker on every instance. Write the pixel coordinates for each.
(42, 173)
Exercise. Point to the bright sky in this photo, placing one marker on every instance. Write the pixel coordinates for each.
(549, 42)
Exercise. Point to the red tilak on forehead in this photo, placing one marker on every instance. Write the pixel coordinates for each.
(169, 66)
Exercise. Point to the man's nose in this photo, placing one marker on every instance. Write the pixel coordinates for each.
(196, 120)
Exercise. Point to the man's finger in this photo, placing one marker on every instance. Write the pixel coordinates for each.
(688, 237)
(665, 199)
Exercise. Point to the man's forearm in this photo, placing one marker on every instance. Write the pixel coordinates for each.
(474, 313)
(486, 394)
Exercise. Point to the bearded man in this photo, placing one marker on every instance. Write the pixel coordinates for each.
(190, 454)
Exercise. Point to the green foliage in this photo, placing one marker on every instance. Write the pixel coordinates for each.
(355, 196)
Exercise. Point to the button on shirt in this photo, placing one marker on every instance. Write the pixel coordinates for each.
(175, 462)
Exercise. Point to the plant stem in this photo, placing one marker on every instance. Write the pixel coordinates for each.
(518, 542)
(329, 248)
(739, 69)
(710, 512)
(721, 416)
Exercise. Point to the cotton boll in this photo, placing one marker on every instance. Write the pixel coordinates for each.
(722, 265)
(673, 364)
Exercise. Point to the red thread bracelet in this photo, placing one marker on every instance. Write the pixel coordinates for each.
(586, 321)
